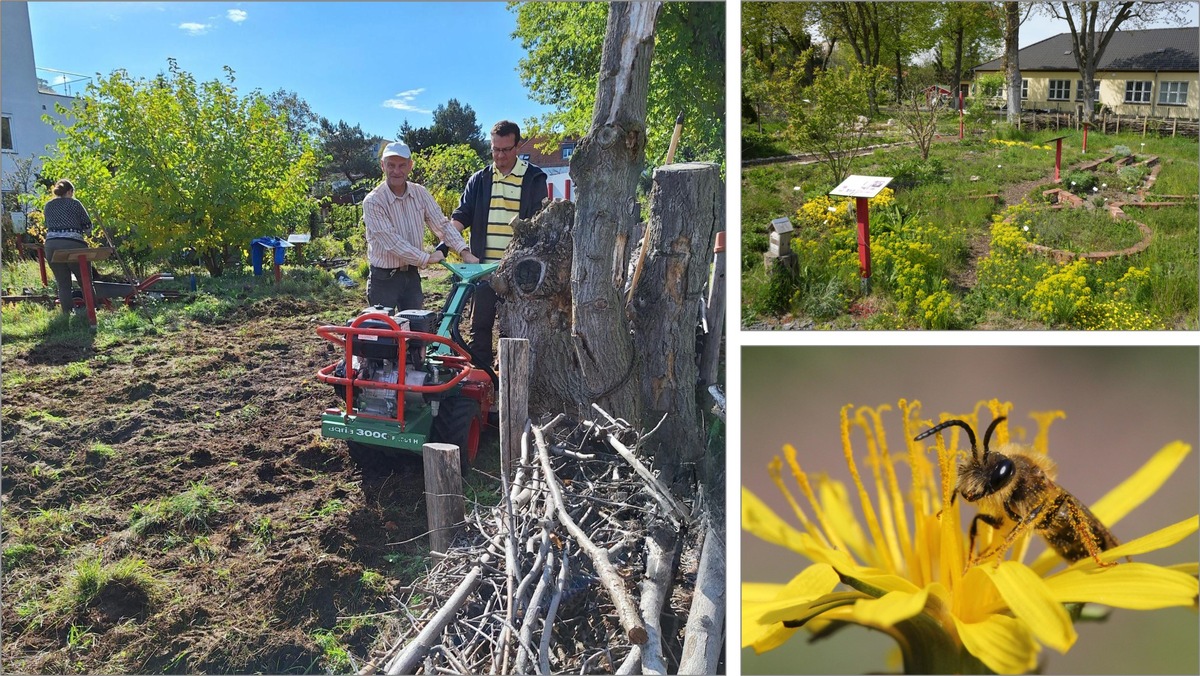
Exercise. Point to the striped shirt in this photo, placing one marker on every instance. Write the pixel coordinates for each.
(66, 217)
(394, 225)
(504, 207)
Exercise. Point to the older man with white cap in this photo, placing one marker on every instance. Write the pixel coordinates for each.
(394, 214)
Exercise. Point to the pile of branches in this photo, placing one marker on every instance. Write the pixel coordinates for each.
(589, 564)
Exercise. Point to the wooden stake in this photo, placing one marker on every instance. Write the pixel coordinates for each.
(443, 493)
(514, 399)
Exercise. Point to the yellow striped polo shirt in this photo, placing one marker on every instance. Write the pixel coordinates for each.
(505, 205)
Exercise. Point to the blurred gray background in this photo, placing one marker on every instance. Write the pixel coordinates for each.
(1123, 404)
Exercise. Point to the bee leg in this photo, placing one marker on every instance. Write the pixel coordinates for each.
(1021, 526)
(1083, 529)
(991, 520)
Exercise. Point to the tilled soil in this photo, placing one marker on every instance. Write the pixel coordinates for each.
(299, 543)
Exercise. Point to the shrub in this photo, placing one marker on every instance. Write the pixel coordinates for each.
(1080, 182)
(1059, 296)
(1132, 175)
(913, 172)
(776, 298)
(1122, 151)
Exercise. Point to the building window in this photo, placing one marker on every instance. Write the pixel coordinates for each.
(1138, 91)
(6, 133)
(1060, 90)
(1095, 90)
(568, 151)
(1173, 93)
(1024, 89)
(524, 156)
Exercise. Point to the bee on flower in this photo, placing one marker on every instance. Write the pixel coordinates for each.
(905, 567)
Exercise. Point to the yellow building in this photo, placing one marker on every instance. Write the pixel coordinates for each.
(1153, 72)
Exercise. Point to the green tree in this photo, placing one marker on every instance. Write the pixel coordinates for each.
(349, 151)
(970, 33)
(453, 124)
(168, 163)
(775, 40)
(444, 171)
(563, 43)
(828, 118)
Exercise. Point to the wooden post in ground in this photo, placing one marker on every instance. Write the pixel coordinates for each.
(514, 399)
(443, 493)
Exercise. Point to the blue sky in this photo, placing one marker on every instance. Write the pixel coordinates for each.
(369, 63)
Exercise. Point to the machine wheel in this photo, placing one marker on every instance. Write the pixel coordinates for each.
(457, 423)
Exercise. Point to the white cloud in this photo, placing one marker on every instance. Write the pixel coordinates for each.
(193, 28)
(404, 101)
(236, 15)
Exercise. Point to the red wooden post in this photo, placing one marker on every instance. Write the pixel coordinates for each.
(85, 280)
(41, 252)
(1057, 158)
(550, 190)
(960, 115)
(864, 242)
(278, 271)
(1085, 128)
(568, 190)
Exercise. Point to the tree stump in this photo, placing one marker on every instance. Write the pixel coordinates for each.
(534, 281)
(686, 205)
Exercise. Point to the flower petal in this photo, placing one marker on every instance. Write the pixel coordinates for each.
(1003, 643)
(1027, 596)
(1141, 485)
(892, 608)
(761, 520)
(835, 502)
(1136, 586)
(812, 583)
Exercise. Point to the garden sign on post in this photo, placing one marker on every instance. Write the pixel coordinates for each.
(862, 188)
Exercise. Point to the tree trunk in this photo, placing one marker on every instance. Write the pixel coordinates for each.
(1012, 65)
(607, 164)
(534, 281)
(686, 210)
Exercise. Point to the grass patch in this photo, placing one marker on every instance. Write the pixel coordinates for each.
(336, 657)
(1083, 231)
(16, 555)
(193, 510)
(100, 452)
(90, 577)
(328, 509)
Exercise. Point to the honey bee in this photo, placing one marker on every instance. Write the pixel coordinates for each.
(1018, 483)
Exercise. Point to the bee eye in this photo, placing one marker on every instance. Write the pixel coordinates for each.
(1001, 475)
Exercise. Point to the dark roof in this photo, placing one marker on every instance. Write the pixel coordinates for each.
(1164, 49)
(529, 146)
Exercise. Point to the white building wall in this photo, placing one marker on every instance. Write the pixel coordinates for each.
(20, 99)
(558, 181)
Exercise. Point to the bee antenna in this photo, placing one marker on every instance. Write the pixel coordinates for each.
(957, 423)
(987, 436)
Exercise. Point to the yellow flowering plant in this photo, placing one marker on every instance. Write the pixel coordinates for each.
(905, 568)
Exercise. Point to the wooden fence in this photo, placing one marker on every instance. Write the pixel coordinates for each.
(1111, 123)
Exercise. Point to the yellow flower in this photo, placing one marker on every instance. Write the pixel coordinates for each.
(904, 569)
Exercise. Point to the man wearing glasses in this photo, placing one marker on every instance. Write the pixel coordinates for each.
(508, 188)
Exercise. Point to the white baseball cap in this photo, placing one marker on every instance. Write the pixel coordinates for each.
(396, 148)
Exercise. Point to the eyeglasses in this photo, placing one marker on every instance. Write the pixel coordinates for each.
(499, 151)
